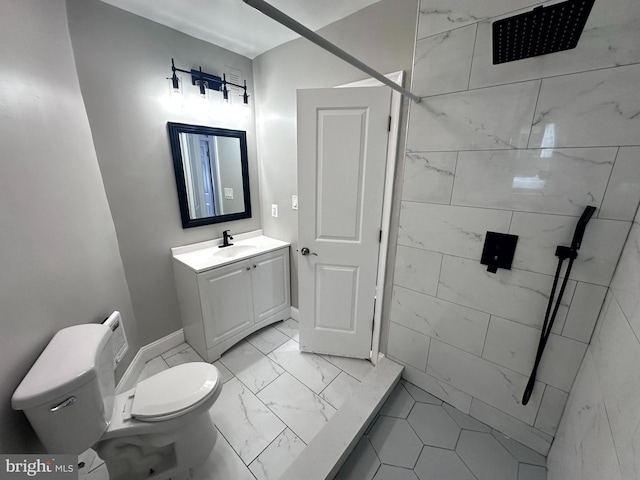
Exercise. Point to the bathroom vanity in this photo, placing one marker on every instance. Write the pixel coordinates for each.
(226, 294)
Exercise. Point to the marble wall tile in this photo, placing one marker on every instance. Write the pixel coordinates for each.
(626, 282)
(484, 380)
(608, 40)
(447, 229)
(417, 269)
(514, 346)
(456, 325)
(408, 346)
(437, 16)
(558, 181)
(512, 294)
(553, 402)
(428, 176)
(623, 192)
(616, 355)
(583, 313)
(539, 235)
(514, 428)
(485, 119)
(438, 388)
(588, 109)
(442, 62)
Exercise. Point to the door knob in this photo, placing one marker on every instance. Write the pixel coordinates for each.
(306, 251)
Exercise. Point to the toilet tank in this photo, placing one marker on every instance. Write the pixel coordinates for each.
(68, 394)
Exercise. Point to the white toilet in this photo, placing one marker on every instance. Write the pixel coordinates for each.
(158, 430)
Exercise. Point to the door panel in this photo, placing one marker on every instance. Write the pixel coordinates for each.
(342, 151)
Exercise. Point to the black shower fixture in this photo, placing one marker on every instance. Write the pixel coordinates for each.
(543, 30)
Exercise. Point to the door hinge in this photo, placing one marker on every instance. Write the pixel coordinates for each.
(380, 237)
(389, 124)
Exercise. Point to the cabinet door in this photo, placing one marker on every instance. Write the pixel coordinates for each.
(225, 296)
(270, 279)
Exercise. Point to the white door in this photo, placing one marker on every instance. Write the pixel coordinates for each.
(342, 151)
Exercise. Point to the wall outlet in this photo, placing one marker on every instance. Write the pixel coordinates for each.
(294, 202)
(274, 210)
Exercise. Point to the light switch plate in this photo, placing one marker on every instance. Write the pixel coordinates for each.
(294, 202)
(274, 210)
(228, 193)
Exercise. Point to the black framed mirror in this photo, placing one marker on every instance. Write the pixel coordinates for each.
(212, 173)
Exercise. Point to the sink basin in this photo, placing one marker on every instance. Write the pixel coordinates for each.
(234, 251)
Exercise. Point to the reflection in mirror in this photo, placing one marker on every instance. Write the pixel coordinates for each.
(212, 174)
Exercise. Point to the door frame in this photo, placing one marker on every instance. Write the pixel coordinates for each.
(389, 180)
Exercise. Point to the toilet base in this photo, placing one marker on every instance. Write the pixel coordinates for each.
(161, 456)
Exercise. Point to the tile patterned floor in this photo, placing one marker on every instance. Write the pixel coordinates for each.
(274, 401)
(418, 437)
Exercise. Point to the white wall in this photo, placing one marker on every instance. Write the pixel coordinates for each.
(60, 260)
(122, 62)
(566, 122)
(381, 35)
(599, 435)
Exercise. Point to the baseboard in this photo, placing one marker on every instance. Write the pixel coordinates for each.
(145, 354)
(295, 314)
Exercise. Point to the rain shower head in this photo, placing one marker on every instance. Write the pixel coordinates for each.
(543, 30)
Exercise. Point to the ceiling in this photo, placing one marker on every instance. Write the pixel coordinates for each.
(236, 26)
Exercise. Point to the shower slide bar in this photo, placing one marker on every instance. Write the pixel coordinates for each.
(562, 253)
(310, 35)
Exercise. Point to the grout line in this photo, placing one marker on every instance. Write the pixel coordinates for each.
(544, 390)
(535, 109)
(473, 55)
(455, 172)
(604, 194)
(486, 335)
(514, 149)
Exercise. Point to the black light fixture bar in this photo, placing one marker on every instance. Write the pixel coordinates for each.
(207, 80)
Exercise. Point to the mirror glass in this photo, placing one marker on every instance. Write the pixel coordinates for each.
(212, 174)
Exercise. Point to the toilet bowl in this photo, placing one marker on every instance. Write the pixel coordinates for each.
(159, 429)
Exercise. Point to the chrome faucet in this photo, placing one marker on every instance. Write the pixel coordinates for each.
(225, 239)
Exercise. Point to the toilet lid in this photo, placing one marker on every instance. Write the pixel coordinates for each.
(174, 390)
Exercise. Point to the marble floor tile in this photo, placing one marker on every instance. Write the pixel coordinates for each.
(225, 374)
(395, 442)
(486, 457)
(420, 395)
(340, 390)
(437, 463)
(399, 403)
(521, 453)
(303, 411)
(312, 370)
(247, 424)
(531, 472)
(251, 366)
(153, 366)
(185, 356)
(223, 463)
(267, 339)
(389, 472)
(362, 464)
(356, 367)
(277, 457)
(465, 421)
(434, 426)
(174, 350)
(290, 328)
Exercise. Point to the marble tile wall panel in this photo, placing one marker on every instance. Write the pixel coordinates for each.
(417, 269)
(485, 119)
(437, 16)
(626, 282)
(456, 325)
(609, 39)
(458, 231)
(539, 235)
(596, 108)
(442, 62)
(585, 307)
(514, 346)
(428, 176)
(484, 380)
(440, 389)
(508, 425)
(623, 192)
(583, 447)
(512, 294)
(553, 402)
(408, 346)
(558, 181)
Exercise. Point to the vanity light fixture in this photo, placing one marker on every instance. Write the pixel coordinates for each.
(206, 81)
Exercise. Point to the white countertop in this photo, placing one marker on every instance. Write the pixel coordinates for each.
(204, 256)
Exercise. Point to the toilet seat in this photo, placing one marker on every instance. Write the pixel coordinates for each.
(174, 392)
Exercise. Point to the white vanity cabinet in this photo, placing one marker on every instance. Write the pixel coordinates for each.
(222, 305)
